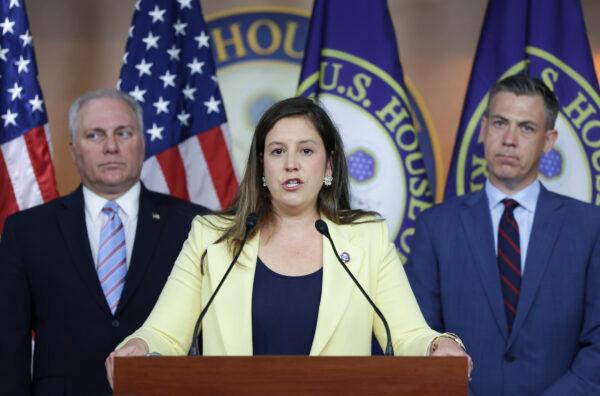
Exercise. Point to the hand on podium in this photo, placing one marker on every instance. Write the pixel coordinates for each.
(448, 346)
(133, 347)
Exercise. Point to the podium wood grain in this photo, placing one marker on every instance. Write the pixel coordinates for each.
(290, 375)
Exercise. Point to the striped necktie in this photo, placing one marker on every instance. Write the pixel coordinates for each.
(112, 257)
(509, 260)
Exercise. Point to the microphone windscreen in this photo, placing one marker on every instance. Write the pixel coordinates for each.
(251, 221)
(321, 226)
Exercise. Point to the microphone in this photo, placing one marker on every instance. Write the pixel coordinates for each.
(251, 221)
(321, 226)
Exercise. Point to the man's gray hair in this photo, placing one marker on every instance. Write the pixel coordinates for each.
(99, 94)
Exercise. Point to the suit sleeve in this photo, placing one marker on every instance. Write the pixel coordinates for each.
(583, 377)
(410, 333)
(15, 309)
(423, 273)
(168, 330)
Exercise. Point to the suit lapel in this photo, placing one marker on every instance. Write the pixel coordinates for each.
(547, 223)
(477, 226)
(337, 286)
(233, 304)
(71, 220)
(149, 225)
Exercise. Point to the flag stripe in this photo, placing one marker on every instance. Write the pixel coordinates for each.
(173, 171)
(39, 154)
(153, 177)
(199, 183)
(219, 164)
(25, 187)
(8, 202)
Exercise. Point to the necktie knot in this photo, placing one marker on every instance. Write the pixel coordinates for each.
(110, 208)
(510, 204)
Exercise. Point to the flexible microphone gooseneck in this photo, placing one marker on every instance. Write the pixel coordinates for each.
(321, 226)
(251, 221)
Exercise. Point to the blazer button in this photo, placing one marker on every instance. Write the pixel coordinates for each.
(115, 323)
(509, 357)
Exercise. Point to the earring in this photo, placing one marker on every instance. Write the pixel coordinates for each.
(327, 180)
(264, 182)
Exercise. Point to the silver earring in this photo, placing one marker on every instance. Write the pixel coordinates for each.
(327, 180)
(264, 182)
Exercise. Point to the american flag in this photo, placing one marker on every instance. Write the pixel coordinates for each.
(26, 171)
(168, 68)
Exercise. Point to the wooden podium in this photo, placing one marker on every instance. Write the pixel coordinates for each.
(290, 375)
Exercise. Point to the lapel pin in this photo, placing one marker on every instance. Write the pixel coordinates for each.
(155, 216)
(345, 257)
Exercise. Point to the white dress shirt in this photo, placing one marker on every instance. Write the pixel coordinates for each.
(524, 213)
(129, 205)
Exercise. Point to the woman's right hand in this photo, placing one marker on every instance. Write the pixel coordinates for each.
(133, 347)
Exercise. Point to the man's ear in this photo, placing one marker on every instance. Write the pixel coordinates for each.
(482, 128)
(551, 136)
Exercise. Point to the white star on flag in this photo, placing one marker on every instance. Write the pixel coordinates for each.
(168, 79)
(36, 104)
(151, 41)
(26, 37)
(9, 118)
(7, 26)
(212, 105)
(155, 132)
(183, 117)
(173, 52)
(162, 106)
(157, 14)
(179, 28)
(195, 66)
(15, 92)
(138, 94)
(144, 68)
(202, 40)
(185, 4)
(188, 92)
(3, 52)
(22, 65)
(14, 3)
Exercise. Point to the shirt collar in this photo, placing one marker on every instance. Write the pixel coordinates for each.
(527, 197)
(128, 202)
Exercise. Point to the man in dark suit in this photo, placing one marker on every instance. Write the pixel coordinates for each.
(84, 271)
(515, 269)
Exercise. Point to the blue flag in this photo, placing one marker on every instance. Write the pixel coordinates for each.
(351, 64)
(546, 39)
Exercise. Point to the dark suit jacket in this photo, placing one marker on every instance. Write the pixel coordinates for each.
(554, 347)
(48, 284)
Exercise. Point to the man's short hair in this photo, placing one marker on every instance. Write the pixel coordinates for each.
(521, 84)
(98, 94)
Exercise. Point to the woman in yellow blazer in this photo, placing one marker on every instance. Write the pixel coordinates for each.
(296, 174)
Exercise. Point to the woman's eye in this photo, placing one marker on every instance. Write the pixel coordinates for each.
(307, 151)
(277, 151)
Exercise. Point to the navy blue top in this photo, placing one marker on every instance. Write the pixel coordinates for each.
(284, 311)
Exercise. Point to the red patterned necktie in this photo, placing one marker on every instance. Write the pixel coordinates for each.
(509, 260)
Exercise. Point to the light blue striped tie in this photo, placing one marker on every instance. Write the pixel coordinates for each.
(112, 256)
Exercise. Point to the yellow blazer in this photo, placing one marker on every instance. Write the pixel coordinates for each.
(345, 321)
